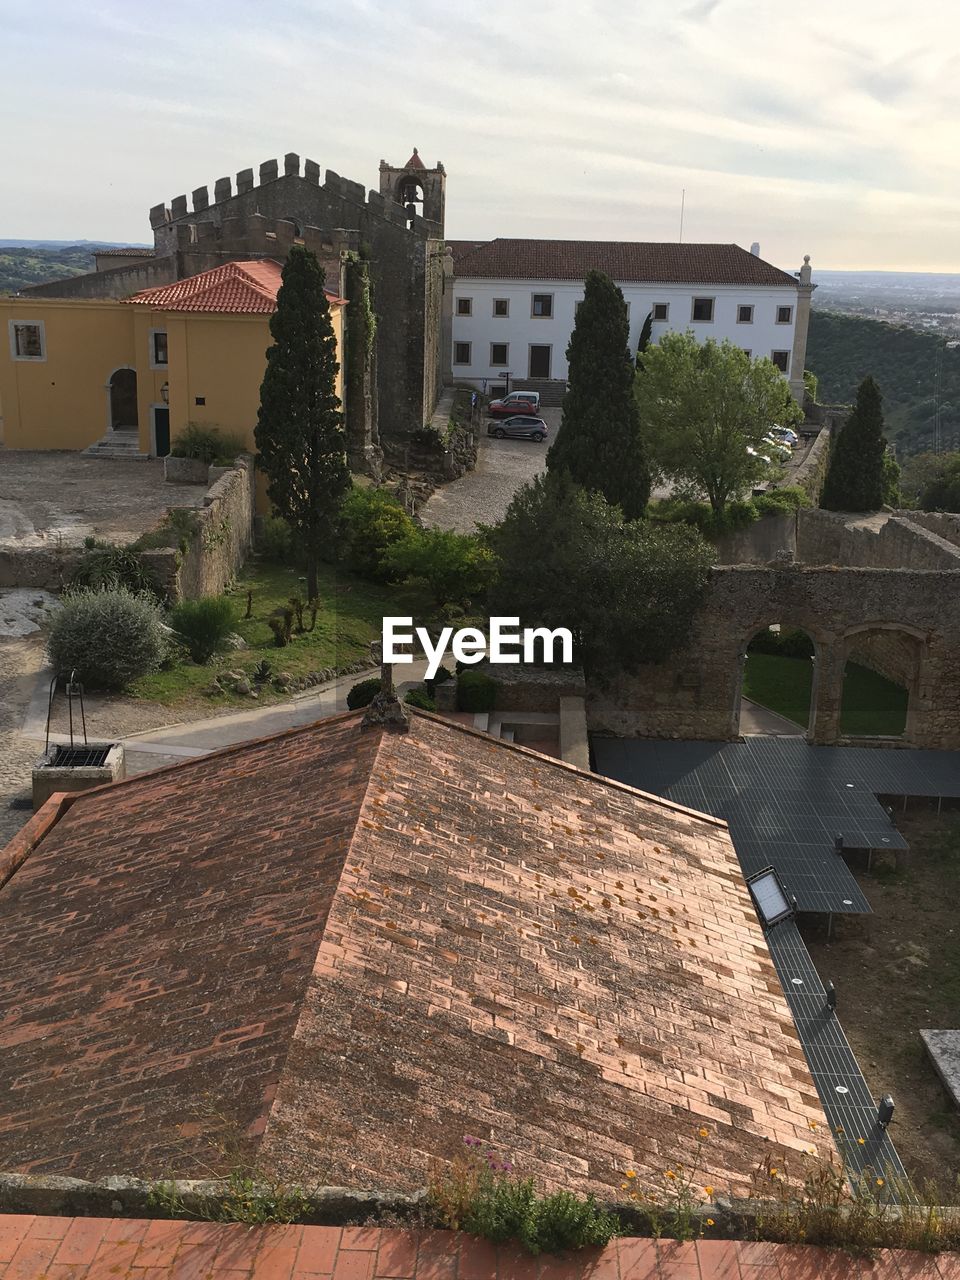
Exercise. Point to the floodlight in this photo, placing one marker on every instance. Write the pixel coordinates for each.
(885, 1110)
(838, 843)
(831, 996)
(770, 897)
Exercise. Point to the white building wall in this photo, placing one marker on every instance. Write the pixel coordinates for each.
(521, 330)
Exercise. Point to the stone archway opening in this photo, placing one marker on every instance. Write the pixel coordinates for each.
(123, 400)
(778, 682)
(880, 682)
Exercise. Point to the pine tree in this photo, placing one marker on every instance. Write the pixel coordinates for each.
(300, 436)
(856, 475)
(599, 443)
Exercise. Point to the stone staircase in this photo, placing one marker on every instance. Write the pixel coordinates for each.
(551, 390)
(117, 444)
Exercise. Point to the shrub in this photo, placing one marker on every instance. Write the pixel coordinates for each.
(109, 637)
(443, 675)
(478, 1192)
(363, 693)
(203, 625)
(454, 566)
(275, 540)
(371, 522)
(785, 644)
(207, 444)
(420, 698)
(104, 565)
(475, 691)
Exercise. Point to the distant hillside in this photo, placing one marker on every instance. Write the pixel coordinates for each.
(842, 350)
(23, 266)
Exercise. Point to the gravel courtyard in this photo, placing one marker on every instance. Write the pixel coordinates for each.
(49, 496)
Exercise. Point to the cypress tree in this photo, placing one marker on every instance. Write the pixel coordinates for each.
(855, 478)
(599, 443)
(300, 437)
(646, 333)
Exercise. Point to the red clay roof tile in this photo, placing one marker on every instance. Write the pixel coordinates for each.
(626, 262)
(342, 952)
(241, 288)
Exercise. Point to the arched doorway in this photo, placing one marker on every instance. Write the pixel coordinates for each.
(778, 683)
(123, 400)
(880, 678)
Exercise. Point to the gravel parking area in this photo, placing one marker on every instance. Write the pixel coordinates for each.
(483, 495)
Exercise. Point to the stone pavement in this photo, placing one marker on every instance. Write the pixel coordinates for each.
(757, 719)
(32, 1248)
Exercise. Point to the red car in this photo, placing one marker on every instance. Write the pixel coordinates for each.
(515, 402)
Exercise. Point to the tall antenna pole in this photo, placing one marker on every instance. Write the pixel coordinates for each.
(683, 196)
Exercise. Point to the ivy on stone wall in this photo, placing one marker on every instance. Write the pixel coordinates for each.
(361, 331)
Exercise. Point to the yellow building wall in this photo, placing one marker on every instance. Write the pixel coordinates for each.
(62, 401)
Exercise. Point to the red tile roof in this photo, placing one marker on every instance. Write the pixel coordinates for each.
(624, 261)
(240, 288)
(146, 252)
(415, 162)
(135, 1248)
(344, 951)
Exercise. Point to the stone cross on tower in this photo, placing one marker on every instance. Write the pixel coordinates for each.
(385, 711)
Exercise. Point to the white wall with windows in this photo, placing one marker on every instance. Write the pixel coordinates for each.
(523, 326)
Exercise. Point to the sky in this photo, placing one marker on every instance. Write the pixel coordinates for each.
(828, 128)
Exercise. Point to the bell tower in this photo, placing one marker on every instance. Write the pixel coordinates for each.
(420, 190)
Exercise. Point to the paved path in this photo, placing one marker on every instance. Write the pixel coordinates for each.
(482, 496)
(757, 719)
(93, 1248)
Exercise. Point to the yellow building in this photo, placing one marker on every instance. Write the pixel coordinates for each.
(74, 371)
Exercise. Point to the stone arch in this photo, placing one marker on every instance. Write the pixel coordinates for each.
(295, 223)
(787, 622)
(122, 399)
(895, 651)
(410, 190)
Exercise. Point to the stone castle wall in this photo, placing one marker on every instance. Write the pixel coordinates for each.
(696, 694)
(897, 541)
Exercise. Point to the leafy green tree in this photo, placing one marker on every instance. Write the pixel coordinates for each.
(628, 590)
(855, 476)
(919, 471)
(705, 410)
(943, 493)
(646, 333)
(599, 443)
(300, 436)
(455, 567)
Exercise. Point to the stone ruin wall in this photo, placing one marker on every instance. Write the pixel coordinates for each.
(696, 694)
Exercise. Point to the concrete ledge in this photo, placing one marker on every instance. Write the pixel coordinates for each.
(574, 742)
(185, 470)
(944, 1050)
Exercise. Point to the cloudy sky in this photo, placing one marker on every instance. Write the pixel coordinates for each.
(829, 128)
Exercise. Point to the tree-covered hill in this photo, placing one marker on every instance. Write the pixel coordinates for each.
(22, 267)
(843, 350)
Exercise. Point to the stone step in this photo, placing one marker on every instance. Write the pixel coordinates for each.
(116, 445)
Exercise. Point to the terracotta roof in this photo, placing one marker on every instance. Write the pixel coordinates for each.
(146, 252)
(136, 1248)
(624, 261)
(344, 951)
(415, 162)
(242, 288)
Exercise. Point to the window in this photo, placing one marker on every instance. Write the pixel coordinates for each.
(661, 311)
(461, 353)
(499, 353)
(781, 359)
(158, 348)
(702, 310)
(501, 306)
(744, 315)
(747, 352)
(541, 304)
(26, 340)
(200, 400)
(464, 306)
(784, 315)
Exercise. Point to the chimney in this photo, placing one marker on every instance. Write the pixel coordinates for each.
(755, 248)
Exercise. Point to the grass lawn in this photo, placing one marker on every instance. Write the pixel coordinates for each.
(780, 684)
(351, 615)
(872, 705)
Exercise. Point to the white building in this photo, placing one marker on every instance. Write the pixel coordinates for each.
(512, 303)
